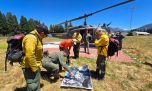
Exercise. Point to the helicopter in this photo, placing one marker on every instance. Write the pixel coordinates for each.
(91, 29)
(83, 29)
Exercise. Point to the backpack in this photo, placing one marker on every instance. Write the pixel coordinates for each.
(113, 47)
(14, 51)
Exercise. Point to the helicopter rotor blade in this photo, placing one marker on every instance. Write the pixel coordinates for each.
(81, 17)
(108, 23)
(90, 14)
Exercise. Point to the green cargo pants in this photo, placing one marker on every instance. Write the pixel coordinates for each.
(76, 49)
(32, 79)
(51, 67)
(101, 66)
(68, 57)
(86, 46)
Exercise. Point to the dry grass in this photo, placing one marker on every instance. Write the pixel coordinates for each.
(139, 48)
(119, 77)
(3, 44)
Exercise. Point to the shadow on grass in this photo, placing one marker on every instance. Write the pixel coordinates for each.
(93, 74)
(74, 88)
(24, 88)
(20, 89)
(148, 64)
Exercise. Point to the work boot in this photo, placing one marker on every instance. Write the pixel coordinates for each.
(101, 75)
(56, 75)
(60, 68)
(49, 74)
(68, 62)
(45, 53)
(76, 57)
(84, 50)
(97, 71)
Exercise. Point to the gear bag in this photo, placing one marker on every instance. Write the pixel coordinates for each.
(14, 51)
(113, 47)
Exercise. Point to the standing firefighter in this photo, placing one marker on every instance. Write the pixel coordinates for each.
(86, 39)
(76, 48)
(32, 47)
(119, 37)
(52, 61)
(101, 42)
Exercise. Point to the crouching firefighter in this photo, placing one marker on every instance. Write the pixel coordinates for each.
(52, 61)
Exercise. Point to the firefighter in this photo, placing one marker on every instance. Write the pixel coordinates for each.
(33, 50)
(66, 45)
(52, 61)
(101, 42)
(76, 48)
(119, 37)
(86, 39)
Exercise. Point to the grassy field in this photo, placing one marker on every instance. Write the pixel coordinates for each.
(120, 76)
(139, 48)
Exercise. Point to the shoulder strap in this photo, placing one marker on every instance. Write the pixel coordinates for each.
(37, 40)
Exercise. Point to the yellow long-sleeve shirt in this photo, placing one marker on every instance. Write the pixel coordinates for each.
(32, 47)
(102, 44)
(78, 37)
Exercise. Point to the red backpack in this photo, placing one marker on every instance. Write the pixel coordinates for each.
(14, 51)
(113, 47)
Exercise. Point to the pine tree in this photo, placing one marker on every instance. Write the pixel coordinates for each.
(1, 23)
(15, 24)
(37, 22)
(57, 28)
(10, 22)
(24, 26)
(32, 25)
(5, 30)
(61, 29)
(51, 29)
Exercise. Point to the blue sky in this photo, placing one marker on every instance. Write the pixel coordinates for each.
(57, 11)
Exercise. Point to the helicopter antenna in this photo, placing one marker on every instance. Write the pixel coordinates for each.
(90, 14)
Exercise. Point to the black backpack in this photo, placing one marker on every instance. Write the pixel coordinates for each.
(113, 47)
(14, 51)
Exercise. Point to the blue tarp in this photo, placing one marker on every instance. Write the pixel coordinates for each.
(81, 79)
